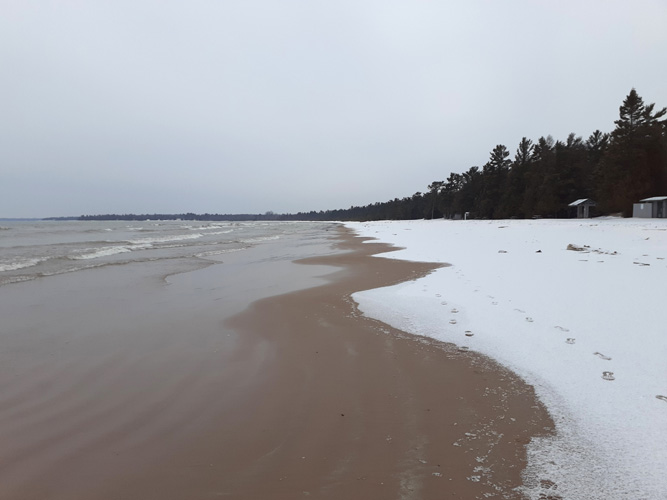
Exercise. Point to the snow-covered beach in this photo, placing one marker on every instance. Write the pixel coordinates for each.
(576, 308)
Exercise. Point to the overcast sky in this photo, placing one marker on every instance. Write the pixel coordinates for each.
(246, 106)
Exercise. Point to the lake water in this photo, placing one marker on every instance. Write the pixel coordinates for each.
(36, 249)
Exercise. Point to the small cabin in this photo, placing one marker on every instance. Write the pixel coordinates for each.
(651, 208)
(583, 207)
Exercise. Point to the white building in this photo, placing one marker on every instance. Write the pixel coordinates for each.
(648, 208)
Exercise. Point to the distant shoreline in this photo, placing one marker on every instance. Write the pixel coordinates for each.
(187, 216)
(18, 219)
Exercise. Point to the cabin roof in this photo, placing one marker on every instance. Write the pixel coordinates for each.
(655, 198)
(581, 202)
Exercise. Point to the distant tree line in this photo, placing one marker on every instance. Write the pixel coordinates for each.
(185, 216)
(615, 169)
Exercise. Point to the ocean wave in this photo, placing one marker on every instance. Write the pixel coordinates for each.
(15, 279)
(164, 239)
(8, 280)
(210, 227)
(215, 233)
(92, 253)
(21, 263)
(212, 253)
(259, 239)
(50, 250)
(131, 246)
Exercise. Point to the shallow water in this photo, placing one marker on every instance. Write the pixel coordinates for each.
(35, 249)
(109, 366)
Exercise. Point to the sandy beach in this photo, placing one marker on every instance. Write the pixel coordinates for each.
(134, 389)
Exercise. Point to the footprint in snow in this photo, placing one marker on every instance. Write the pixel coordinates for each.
(608, 376)
(469, 333)
(549, 496)
(561, 329)
(569, 341)
(550, 487)
(519, 310)
(602, 356)
(444, 303)
(529, 319)
(547, 484)
(494, 303)
(455, 310)
(663, 398)
(452, 321)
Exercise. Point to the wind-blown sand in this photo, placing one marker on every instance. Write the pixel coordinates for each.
(129, 389)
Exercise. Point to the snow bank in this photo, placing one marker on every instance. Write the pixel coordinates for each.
(587, 326)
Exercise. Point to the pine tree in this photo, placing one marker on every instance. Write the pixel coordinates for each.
(597, 144)
(468, 197)
(636, 117)
(540, 198)
(494, 179)
(434, 191)
(571, 172)
(449, 192)
(634, 165)
(512, 199)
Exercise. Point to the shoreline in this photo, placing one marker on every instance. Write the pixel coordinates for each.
(350, 408)
(125, 388)
(574, 307)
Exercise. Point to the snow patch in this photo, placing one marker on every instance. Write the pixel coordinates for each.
(574, 307)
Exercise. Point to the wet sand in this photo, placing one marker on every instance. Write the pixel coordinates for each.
(297, 396)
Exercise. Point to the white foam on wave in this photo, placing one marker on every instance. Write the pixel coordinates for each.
(165, 239)
(214, 233)
(212, 253)
(259, 239)
(210, 228)
(140, 244)
(20, 263)
(101, 252)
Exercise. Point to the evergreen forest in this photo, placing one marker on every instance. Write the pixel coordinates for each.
(615, 169)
